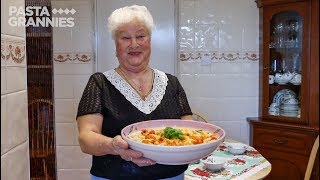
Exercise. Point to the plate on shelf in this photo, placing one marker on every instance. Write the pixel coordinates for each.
(279, 97)
(281, 82)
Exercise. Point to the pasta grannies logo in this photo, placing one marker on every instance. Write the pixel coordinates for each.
(40, 16)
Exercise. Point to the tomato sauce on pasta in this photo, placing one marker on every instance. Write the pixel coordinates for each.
(157, 137)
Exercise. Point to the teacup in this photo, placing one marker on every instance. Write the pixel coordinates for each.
(278, 76)
(296, 79)
(274, 111)
(271, 79)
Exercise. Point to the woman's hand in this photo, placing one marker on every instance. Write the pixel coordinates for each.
(121, 148)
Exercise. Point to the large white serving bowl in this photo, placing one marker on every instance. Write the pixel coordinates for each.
(174, 155)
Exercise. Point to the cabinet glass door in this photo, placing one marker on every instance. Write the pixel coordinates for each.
(285, 61)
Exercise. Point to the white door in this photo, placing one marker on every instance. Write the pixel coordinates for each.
(163, 52)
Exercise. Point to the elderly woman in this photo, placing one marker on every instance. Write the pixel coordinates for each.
(130, 93)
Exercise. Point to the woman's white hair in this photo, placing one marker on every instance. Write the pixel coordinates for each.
(128, 13)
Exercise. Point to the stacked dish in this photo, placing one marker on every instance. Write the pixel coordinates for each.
(290, 107)
(285, 103)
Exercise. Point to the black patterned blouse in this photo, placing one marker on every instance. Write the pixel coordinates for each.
(110, 95)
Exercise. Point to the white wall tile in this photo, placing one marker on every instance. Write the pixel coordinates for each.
(231, 12)
(237, 108)
(207, 37)
(83, 37)
(84, 9)
(187, 82)
(62, 39)
(79, 174)
(192, 103)
(246, 12)
(18, 31)
(186, 14)
(230, 37)
(235, 85)
(225, 109)
(71, 157)
(238, 67)
(206, 106)
(205, 11)
(201, 68)
(245, 130)
(251, 67)
(66, 134)
(63, 86)
(226, 68)
(3, 80)
(186, 38)
(14, 115)
(4, 124)
(80, 82)
(75, 106)
(15, 163)
(186, 67)
(15, 126)
(4, 51)
(73, 68)
(251, 38)
(205, 85)
(4, 16)
(64, 111)
(232, 129)
(16, 79)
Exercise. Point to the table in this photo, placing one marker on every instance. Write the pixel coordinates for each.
(249, 166)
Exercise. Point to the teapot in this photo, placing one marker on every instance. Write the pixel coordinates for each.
(283, 78)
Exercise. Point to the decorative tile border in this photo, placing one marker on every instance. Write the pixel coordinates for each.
(13, 49)
(219, 56)
(62, 57)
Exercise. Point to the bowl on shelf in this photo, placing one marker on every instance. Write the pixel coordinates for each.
(214, 163)
(174, 155)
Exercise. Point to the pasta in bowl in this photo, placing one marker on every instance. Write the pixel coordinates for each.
(173, 141)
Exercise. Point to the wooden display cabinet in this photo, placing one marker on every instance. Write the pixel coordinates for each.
(288, 120)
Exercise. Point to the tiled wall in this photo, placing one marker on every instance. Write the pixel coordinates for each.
(217, 65)
(73, 51)
(218, 61)
(14, 108)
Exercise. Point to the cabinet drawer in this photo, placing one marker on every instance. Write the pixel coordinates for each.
(282, 140)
